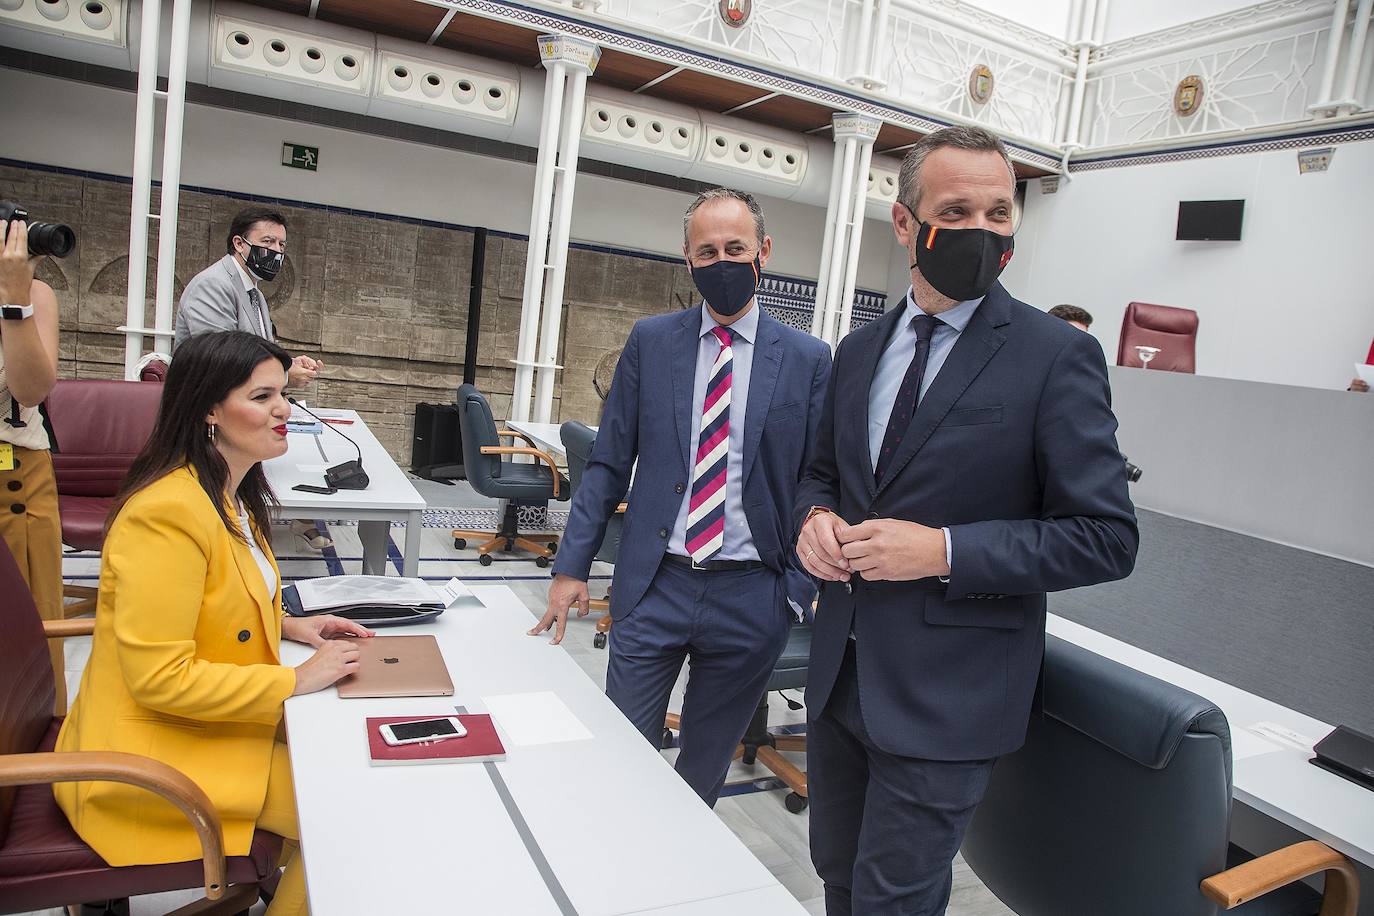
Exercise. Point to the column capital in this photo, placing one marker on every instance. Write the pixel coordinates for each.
(569, 50)
(847, 125)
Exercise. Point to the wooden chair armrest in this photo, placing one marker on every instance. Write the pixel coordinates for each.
(516, 450)
(61, 629)
(516, 434)
(134, 770)
(1259, 876)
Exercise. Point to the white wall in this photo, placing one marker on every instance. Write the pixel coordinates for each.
(1291, 303)
(1128, 18)
(1048, 16)
(80, 126)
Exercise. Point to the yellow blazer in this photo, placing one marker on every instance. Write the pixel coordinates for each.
(184, 669)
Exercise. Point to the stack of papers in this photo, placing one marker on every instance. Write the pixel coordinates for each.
(341, 592)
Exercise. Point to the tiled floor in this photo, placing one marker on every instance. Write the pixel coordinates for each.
(777, 837)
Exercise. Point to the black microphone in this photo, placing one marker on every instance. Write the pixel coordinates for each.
(349, 475)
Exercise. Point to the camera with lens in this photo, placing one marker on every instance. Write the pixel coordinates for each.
(1132, 472)
(53, 239)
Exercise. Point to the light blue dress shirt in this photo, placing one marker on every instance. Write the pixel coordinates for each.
(738, 539)
(892, 366)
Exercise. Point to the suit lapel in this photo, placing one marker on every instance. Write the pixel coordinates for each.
(686, 342)
(763, 379)
(972, 351)
(251, 577)
(868, 367)
(243, 307)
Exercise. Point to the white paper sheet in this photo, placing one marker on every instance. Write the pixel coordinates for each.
(535, 718)
(344, 591)
(1366, 373)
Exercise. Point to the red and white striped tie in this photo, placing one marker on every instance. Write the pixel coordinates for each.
(706, 511)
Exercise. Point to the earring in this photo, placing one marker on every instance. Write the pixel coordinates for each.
(210, 432)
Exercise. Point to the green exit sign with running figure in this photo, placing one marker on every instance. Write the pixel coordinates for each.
(297, 156)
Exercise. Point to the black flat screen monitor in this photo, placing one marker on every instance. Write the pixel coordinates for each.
(1209, 220)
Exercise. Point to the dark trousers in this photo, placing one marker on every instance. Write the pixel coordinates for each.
(884, 828)
(730, 627)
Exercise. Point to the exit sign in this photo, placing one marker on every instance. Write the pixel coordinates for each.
(296, 156)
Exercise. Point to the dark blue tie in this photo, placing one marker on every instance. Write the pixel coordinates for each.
(907, 395)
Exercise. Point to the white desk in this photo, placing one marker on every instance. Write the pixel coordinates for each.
(389, 496)
(1279, 783)
(621, 832)
(547, 436)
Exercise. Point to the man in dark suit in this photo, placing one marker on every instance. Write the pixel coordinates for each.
(718, 406)
(967, 464)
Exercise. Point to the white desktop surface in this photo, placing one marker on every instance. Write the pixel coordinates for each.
(1280, 783)
(389, 495)
(620, 830)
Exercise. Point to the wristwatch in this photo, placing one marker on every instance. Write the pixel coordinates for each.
(15, 312)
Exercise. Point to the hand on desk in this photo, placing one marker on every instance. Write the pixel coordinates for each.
(563, 594)
(1358, 384)
(888, 549)
(334, 660)
(313, 631)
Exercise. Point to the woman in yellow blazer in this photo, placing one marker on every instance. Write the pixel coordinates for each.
(184, 667)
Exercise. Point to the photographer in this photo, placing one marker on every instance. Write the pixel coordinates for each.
(28, 368)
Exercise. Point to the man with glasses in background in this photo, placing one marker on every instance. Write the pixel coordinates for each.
(719, 406)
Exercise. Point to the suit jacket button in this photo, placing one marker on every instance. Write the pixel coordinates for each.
(244, 636)
(663, 532)
(849, 588)
(680, 488)
(15, 486)
(17, 508)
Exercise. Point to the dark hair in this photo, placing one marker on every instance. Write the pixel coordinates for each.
(974, 139)
(206, 368)
(244, 219)
(711, 194)
(1072, 313)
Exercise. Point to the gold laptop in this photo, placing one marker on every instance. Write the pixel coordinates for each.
(398, 666)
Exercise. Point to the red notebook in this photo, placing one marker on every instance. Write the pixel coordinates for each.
(480, 744)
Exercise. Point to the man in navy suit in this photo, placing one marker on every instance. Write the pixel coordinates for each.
(718, 406)
(967, 464)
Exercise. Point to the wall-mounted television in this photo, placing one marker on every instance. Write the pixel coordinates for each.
(1209, 220)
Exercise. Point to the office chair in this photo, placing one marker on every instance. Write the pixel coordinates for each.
(1120, 803)
(43, 863)
(1172, 330)
(99, 427)
(578, 441)
(504, 480)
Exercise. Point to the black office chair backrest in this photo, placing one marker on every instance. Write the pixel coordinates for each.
(578, 439)
(479, 429)
(1119, 802)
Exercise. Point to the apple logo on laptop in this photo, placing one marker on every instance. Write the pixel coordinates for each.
(390, 661)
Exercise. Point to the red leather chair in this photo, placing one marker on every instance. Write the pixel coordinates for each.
(100, 427)
(43, 863)
(155, 371)
(1172, 330)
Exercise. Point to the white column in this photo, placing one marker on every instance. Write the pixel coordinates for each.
(145, 111)
(854, 135)
(1347, 101)
(569, 61)
(1334, 37)
(838, 169)
(171, 173)
(558, 245)
(540, 209)
(856, 232)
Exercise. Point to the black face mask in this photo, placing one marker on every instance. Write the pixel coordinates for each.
(961, 263)
(727, 286)
(263, 263)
